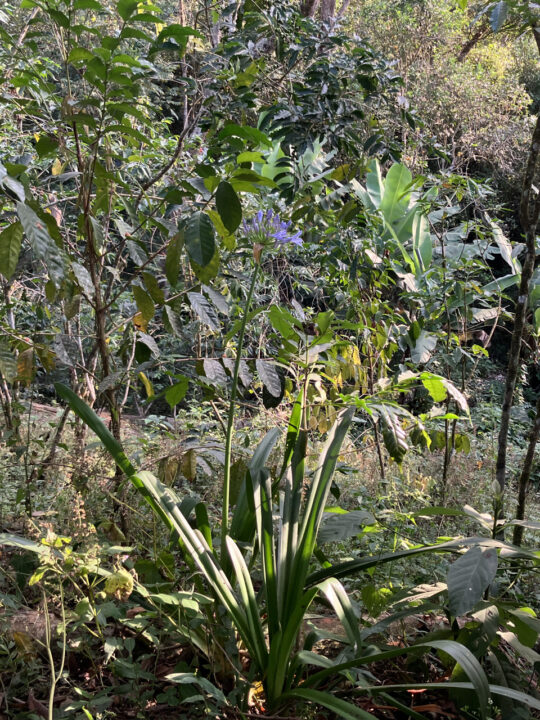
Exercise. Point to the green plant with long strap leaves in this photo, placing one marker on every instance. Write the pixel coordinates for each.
(268, 622)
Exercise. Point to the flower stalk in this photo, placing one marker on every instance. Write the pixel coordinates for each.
(230, 419)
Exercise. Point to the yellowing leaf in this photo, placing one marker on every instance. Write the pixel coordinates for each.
(147, 385)
(24, 643)
(139, 322)
(25, 366)
(188, 465)
(57, 167)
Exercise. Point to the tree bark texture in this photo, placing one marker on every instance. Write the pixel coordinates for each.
(525, 477)
(529, 212)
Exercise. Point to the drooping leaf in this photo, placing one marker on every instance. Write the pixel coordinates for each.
(435, 386)
(89, 417)
(147, 385)
(246, 133)
(340, 526)
(8, 362)
(149, 342)
(200, 241)
(269, 376)
(498, 15)
(394, 436)
(153, 287)
(340, 708)
(422, 244)
(42, 243)
(177, 392)
(505, 247)
(215, 371)
(456, 394)
(13, 188)
(26, 366)
(204, 310)
(468, 577)
(228, 206)
(219, 300)
(207, 272)
(83, 279)
(423, 348)
(10, 248)
(145, 304)
(172, 259)
(136, 252)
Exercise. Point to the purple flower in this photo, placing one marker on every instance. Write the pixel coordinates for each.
(262, 228)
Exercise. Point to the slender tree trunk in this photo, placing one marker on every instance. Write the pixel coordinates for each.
(525, 477)
(40, 469)
(308, 8)
(529, 214)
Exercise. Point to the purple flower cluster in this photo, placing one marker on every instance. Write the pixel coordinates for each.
(267, 226)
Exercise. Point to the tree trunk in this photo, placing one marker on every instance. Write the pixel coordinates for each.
(525, 477)
(529, 213)
(308, 8)
(328, 10)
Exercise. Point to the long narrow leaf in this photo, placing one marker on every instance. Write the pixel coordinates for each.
(462, 655)
(351, 567)
(313, 511)
(243, 520)
(341, 708)
(165, 503)
(89, 417)
(247, 592)
(494, 690)
(265, 529)
(290, 503)
(280, 652)
(339, 600)
(293, 431)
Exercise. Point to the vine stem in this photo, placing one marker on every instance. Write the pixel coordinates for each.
(230, 419)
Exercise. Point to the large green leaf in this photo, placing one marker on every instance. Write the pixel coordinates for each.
(468, 577)
(269, 376)
(339, 600)
(246, 133)
(423, 347)
(172, 259)
(22, 543)
(394, 435)
(300, 550)
(423, 247)
(249, 600)
(200, 241)
(144, 302)
(498, 15)
(228, 206)
(205, 310)
(395, 200)
(42, 243)
(10, 248)
(374, 185)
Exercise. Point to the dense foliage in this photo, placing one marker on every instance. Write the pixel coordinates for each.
(280, 259)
